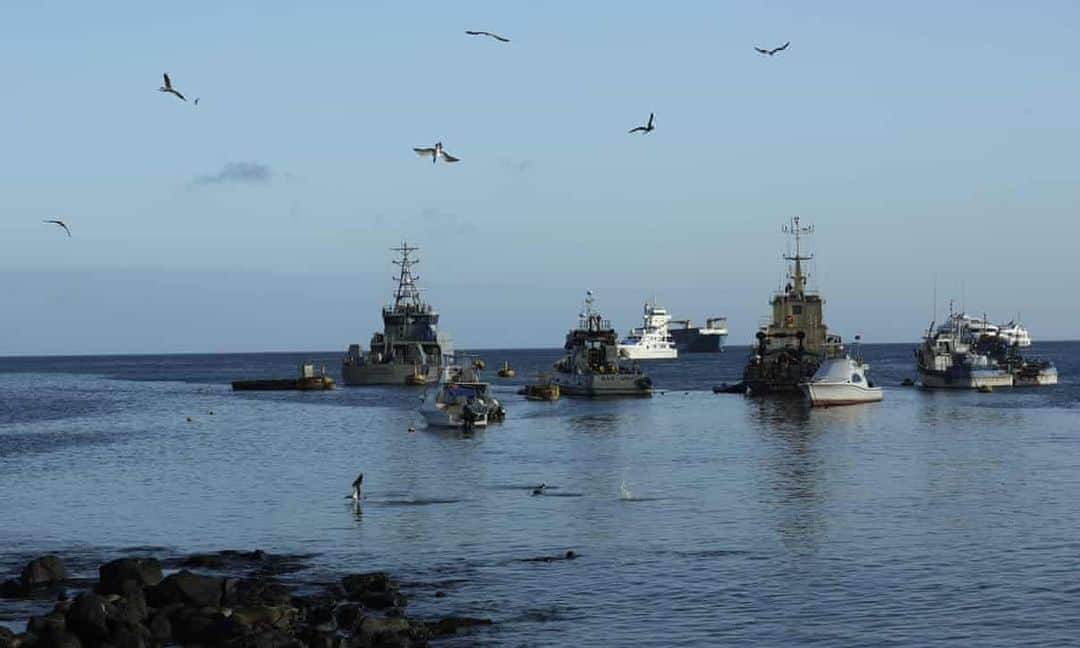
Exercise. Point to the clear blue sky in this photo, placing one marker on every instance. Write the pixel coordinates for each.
(920, 138)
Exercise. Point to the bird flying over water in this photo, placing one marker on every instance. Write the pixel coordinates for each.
(168, 88)
(774, 50)
(485, 33)
(435, 152)
(61, 224)
(644, 129)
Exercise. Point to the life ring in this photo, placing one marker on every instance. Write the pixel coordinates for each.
(789, 320)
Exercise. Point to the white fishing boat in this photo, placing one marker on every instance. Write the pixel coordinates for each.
(841, 381)
(461, 400)
(652, 340)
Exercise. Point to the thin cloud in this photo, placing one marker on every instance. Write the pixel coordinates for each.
(239, 172)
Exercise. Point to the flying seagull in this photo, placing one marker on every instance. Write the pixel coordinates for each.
(485, 33)
(61, 224)
(774, 50)
(644, 129)
(435, 153)
(168, 87)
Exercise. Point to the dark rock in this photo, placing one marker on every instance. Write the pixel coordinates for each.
(42, 571)
(54, 622)
(254, 591)
(160, 628)
(375, 590)
(195, 625)
(131, 608)
(281, 617)
(316, 611)
(204, 561)
(145, 572)
(440, 594)
(189, 589)
(314, 638)
(13, 589)
(88, 617)
(269, 638)
(349, 615)
(450, 625)
(7, 637)
(131, 637)
(59, 639)
(374, 632)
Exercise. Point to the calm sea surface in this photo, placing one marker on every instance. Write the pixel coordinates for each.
(949, 518)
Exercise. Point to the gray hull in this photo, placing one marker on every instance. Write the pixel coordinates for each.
(691, 340)
(972, 380)
(383, 374)
(603, 385)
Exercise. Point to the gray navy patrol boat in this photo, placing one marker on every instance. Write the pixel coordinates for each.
(410, 350)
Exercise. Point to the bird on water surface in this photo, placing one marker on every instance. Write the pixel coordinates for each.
(60, 223)
(486, 33)
(647, 128)
(435, 152)
(356, 494)
(168, 87)
(773, 51)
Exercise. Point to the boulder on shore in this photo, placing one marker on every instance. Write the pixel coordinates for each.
(189, 589)
(375, 590)
(88, 617)
(42, 571)
(145, 572)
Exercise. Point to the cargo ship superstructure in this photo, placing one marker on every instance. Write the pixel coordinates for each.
(410, 349)
(705, 339)
(795, 341)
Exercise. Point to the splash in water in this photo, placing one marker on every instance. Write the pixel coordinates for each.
(624, 491)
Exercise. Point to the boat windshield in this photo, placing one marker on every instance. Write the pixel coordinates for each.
(464, 391)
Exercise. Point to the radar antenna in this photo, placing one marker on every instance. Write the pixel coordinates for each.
(407, 293)
(798, 286)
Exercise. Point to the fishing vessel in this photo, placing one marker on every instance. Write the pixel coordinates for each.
(593, 366)
(410, 349)
(795, 341)
(1012, 333)
(461, 400)
(707, 339)
(842, 381)
(1026, 371)
(651, 340)
(949, 358)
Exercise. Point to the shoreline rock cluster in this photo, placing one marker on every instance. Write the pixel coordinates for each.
(135, 605)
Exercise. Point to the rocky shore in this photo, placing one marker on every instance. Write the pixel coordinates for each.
(241, 603)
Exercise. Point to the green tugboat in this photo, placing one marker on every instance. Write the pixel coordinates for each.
(791, 347)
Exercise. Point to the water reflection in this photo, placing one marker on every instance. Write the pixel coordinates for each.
(792, 484)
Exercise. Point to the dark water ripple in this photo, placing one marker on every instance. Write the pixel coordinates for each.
(931, 518)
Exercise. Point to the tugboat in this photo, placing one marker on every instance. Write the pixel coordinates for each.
(950, 358)
(410, 349)
(792, 346)
(651, 340)
(544, 389)
(593, 366)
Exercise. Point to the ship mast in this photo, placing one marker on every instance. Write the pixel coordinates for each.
(798, 286)
(407, 293)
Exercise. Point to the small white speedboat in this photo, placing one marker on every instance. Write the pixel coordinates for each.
(841, 381)
(461, 400)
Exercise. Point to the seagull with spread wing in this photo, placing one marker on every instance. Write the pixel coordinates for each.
(435, 152)
(774, 50)
(61, 224)
(644, 129)
(168, 88)
(486, 33)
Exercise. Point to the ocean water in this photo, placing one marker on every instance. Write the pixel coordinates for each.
(700, 519)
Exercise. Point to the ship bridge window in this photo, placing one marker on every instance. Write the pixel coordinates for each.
(796, 309)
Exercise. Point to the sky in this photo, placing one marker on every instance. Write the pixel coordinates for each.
(928, 143)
